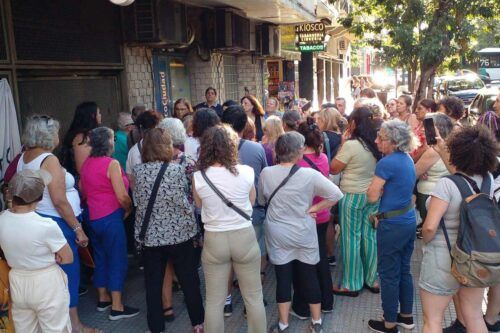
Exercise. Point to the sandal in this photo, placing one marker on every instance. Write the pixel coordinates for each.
(170, 317)
(373, 290)
(345, 292)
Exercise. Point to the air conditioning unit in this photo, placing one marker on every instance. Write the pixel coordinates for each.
(232, 31)
(270, 40)
(156, 23)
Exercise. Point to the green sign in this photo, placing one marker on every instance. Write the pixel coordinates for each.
(312, 48)
(310, 37)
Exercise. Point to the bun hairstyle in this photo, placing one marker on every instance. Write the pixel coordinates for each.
(312, 134)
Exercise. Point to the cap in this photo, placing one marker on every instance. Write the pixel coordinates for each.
(29, 184)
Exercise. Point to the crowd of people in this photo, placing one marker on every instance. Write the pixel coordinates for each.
(238, 186)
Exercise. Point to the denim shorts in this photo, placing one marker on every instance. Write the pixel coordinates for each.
(435, 272)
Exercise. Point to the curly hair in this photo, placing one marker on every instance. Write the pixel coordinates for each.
(312, 134)
(157, 146)
(473, 150)
(219, 144)
(400, 134)
(453, 106)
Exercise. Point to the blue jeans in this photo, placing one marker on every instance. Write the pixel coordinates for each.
(72, 270)
(110, 251)
(395, 243)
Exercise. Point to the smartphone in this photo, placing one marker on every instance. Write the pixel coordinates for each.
(430, 131)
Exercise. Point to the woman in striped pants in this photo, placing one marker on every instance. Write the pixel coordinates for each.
(357, 159)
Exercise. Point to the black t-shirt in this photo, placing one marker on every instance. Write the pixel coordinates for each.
(334, 139)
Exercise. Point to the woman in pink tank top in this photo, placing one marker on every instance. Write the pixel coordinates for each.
(105, 187)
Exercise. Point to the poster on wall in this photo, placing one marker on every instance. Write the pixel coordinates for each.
(286, 92)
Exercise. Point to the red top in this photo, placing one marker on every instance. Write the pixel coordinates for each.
(97, 187)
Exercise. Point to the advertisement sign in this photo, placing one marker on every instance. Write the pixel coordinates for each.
(162, 95)
(310, 37)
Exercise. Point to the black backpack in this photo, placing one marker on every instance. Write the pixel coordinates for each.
(475, 256)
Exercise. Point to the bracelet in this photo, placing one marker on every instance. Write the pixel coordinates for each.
(77, 227)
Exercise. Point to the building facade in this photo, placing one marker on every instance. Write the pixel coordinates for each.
(57, 53)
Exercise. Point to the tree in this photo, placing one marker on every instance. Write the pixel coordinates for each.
(419, 35)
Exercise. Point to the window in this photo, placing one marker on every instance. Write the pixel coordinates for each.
(230, 78)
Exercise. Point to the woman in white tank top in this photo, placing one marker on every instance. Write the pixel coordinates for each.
(60, 199)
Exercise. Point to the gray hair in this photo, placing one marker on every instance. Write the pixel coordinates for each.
(289, 147)
(99, 141)
(176, 129)
(124, 119)
(401, 135)
(40, 132)
(442, 122)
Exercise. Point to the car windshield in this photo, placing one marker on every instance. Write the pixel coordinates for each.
(465, 84)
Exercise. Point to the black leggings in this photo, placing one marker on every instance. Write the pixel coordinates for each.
(300, 273)
(183, 257)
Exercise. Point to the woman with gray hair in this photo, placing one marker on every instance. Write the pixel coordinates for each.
(291, 237)
(393, 184)
(60, 200)
(175, 128)
(105, 187)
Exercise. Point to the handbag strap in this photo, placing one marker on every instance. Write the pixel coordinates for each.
(293, 170)
(152, 199)
(445, 232)
(224, 199)
(311, 163)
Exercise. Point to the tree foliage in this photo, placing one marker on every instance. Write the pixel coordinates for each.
(420, 35)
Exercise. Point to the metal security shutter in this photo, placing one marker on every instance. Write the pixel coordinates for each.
(59, 96)
(67, 30)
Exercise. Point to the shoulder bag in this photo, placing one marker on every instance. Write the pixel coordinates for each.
(293, 170)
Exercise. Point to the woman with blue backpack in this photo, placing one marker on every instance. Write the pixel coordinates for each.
(452, 220)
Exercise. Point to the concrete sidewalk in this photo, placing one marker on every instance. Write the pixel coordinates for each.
(350, 315)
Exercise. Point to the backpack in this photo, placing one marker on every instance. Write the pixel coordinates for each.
(475, 257)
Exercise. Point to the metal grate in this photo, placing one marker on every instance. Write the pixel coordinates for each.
(58, 97)
(3, 48)
(67, 30)
(230, 78)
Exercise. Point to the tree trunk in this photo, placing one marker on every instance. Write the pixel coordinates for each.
(430, 87)
(412, 77)
(427, 72)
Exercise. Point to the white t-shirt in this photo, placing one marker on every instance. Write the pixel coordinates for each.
(29, 241)
(191, 147)
(216, 216)
(133, 158)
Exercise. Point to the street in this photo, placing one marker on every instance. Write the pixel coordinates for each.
(349, 315)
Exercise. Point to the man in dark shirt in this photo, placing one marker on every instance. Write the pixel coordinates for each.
(211, 97)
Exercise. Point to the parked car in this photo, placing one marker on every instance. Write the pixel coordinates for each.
(483, 102)
(464, 87)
